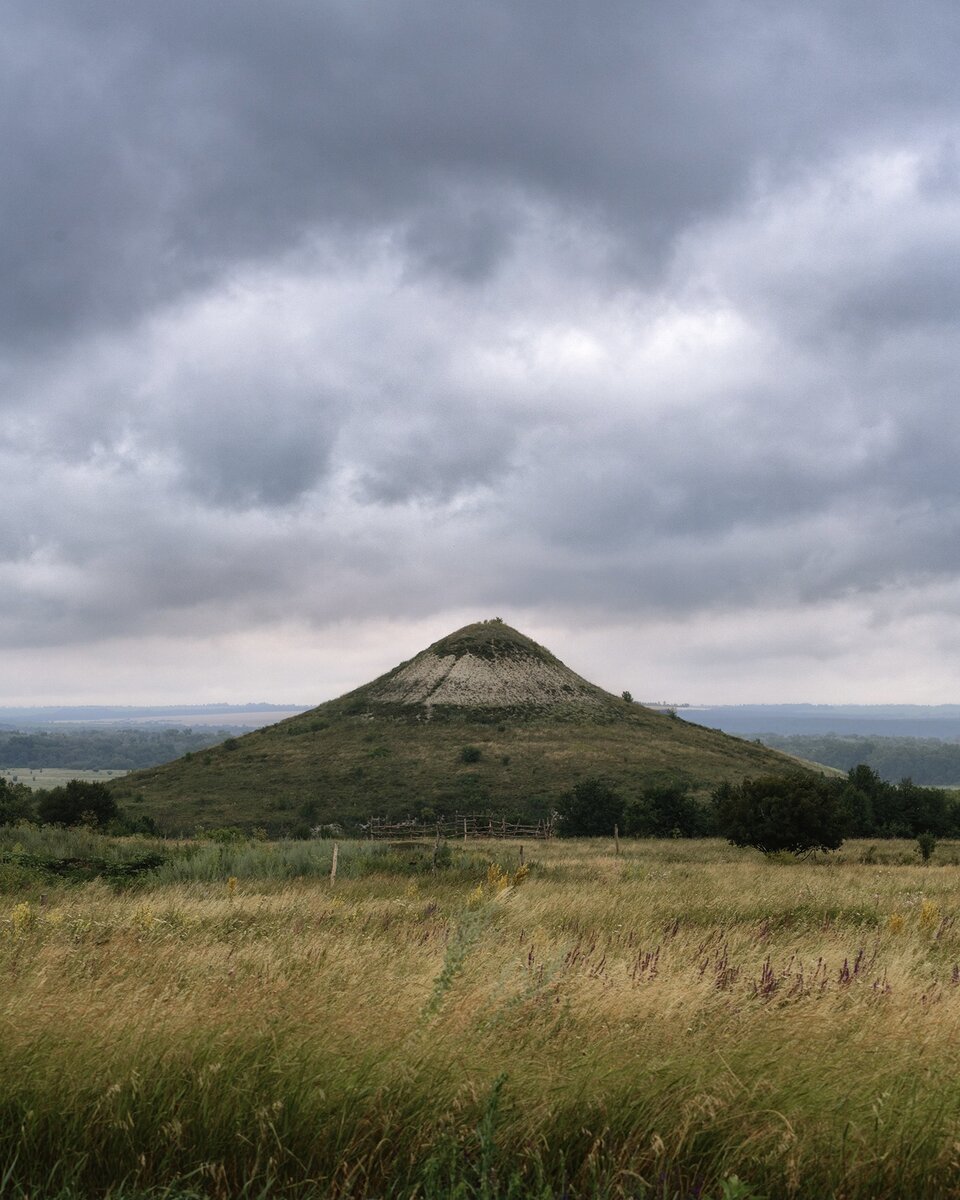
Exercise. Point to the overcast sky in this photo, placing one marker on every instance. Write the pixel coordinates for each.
(330, 325)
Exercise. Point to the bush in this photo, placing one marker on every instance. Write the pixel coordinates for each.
(798, 813)
(16, 803)
(470, 754)
(77, 803)
(667, 811)
(590, 809)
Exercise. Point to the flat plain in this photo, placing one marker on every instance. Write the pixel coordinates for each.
(681, 1019)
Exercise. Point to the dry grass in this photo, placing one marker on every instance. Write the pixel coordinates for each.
(652, 1024)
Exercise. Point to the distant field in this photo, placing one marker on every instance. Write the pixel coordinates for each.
(50, 777)
(680, 1020)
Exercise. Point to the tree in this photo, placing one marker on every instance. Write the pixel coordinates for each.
(16, 803)
(590, 809)
(798, 813)
(667, 810)
(76, 804)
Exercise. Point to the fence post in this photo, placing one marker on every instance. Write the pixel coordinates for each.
(333, 866)
(616, 839)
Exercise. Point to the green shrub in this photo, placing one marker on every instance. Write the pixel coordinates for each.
(77, 803)
(797, 813)
(590, 809)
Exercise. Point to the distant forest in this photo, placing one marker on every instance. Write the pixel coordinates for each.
(924, 760)
(124, 749)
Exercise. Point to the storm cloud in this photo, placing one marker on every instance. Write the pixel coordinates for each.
(634, 324)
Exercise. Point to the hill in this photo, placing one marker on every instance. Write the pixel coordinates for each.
(483, 720)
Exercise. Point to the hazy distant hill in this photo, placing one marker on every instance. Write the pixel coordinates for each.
(886, 720)
(923, 760)
(223, 716)
(483, 720)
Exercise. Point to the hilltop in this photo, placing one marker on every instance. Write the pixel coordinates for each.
(485, 719)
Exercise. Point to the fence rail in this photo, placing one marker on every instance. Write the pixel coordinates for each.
(463, 827)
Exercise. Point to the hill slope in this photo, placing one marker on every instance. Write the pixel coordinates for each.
(483, 720)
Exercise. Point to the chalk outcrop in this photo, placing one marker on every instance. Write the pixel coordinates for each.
(485, 665)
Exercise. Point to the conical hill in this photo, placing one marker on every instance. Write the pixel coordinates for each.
(484, 720)
(484, 666)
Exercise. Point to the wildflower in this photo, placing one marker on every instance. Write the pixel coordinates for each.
(143, 918)
(231, 886)
(520, 874)
(497, 878)
(21, 919)
(928, 914)
(896, 923)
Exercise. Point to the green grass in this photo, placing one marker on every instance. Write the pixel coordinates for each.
(684, 1019)
(336, 765)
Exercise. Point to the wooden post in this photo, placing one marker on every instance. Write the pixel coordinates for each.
(521, 854)
(436, 847)
(464, 828)
(616, 839)
(333, 865)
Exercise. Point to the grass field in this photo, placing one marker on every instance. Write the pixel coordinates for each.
(51, 777)
(681, 1020)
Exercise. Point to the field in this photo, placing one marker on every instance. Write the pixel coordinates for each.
(51, 777)
(679, 1020)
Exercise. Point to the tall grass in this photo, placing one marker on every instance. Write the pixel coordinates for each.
(677, 1021)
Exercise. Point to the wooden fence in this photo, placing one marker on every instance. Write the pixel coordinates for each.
(457, 827)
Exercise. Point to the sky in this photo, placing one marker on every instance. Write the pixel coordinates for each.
(328, 326)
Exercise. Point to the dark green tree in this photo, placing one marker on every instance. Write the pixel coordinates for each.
(667, 810)
(16, 803)
(798, 813)
(76, 804)
(590, 809)
(922, 809)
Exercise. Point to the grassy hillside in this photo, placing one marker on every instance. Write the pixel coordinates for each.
(392, 748)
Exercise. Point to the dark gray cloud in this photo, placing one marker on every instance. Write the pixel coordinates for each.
(643, 313)
(152, 146)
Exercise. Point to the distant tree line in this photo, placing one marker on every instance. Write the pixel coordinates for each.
(924, 760)
(123, 749)
(772, 812)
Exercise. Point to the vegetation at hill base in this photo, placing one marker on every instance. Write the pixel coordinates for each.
(77, 802)
(795, 812)
(684, 1018)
